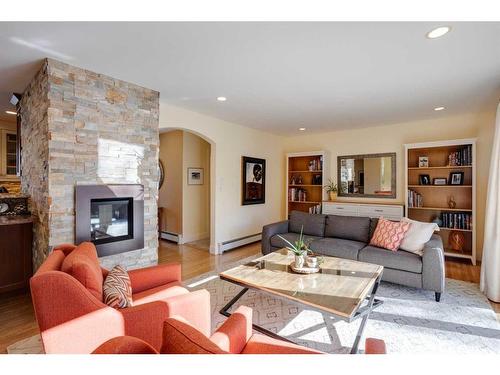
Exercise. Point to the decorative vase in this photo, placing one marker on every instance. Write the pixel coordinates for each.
(333, 195)
(451, 202)
(299, 261)
(456, 240)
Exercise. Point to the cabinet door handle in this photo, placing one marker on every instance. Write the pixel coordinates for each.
(339, 208)
(379, 210)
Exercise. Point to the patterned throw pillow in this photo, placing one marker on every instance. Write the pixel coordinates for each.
(117, 288)
(389, 234)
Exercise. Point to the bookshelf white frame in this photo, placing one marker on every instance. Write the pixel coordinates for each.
(455, 142)
(325, 173)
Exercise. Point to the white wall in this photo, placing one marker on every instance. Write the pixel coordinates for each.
(391, 138)
(229, 141)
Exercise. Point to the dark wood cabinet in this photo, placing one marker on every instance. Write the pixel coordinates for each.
(16, 236)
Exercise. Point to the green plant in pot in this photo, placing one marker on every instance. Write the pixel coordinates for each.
(332, 189)
(299, 248)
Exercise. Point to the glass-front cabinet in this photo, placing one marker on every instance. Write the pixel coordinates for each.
(8, 150)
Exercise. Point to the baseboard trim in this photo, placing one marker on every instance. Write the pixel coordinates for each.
(174, 237)
(237, 242)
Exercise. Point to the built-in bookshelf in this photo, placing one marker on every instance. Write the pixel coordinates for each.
(306, 173)
(440, 183)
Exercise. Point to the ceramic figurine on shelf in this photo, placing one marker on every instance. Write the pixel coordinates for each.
(451, 202)
(293, 180)
(456, 241)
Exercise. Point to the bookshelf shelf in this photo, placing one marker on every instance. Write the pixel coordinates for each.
(306, 174)
(442, 167)
(440, 186)
(441, 209)
(433, 199)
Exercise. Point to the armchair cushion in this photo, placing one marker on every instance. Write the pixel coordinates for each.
(82, 263)
(179, 337)
(117, 289)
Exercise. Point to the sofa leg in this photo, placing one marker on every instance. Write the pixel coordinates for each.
(438, 297)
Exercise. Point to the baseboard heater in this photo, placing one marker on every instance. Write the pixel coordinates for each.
(171, 237)
(237, 242)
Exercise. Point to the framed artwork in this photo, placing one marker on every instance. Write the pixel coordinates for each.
(253, 181)
(423, 161)
(424, 179)
(440, 181)
(195, 176)
(456, 178)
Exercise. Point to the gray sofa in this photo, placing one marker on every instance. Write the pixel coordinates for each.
(349, 236)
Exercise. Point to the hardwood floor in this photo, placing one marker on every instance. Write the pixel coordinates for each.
(17, 320)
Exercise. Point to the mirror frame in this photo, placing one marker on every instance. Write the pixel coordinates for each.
(362, 156)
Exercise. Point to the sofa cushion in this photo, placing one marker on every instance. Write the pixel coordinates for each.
(373, 226)
(314, 225)
(337, 247)
(276, 241)
(82, 263)
(389, 234)
(348, 227)
(117, 289)
(399, 260)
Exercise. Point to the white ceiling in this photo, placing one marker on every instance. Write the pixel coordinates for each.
(276, 76)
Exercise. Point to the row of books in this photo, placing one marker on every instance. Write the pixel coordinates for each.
(315, 209)
(297, 195)
(461, 157)
(415, 199)
(456, 220)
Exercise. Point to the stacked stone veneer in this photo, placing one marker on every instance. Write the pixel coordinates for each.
(80, 127)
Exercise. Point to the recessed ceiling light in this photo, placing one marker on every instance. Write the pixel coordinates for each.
(221, 98)
(302, 129)
(11, 112)
(439, 108)
(438, 32)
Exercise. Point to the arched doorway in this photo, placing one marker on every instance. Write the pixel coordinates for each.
(186, 196)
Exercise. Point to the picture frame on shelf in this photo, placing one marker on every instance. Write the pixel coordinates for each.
(440, 181)
(253, 180)
(424, 179)
(423, 161)
(456, 178)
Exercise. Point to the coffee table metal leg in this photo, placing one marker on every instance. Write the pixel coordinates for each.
(224, 310)
(354, 349)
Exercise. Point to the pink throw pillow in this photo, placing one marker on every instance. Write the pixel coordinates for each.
(389, 234)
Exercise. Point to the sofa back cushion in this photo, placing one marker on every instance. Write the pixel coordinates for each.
(353, 228)
(373, 226)
(314, 224)
(82, 263)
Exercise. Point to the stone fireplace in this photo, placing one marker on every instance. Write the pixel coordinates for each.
(80, 128)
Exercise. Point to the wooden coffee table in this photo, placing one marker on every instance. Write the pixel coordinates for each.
(343, 288)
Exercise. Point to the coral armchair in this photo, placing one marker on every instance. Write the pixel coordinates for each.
(235, 336)
(71, 314)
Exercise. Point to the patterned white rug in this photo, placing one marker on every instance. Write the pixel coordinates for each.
(409, 320)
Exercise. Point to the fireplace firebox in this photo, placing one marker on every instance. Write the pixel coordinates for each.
(110, 216)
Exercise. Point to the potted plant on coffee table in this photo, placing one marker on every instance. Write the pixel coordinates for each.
(332, 189)
(299, 248)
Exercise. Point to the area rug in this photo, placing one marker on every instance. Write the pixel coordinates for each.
(409, 320)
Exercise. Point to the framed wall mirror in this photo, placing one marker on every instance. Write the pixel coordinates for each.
(370, 176)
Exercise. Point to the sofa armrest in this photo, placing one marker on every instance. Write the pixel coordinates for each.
(433, 268)
(233, 335)
(270, 230)
(150, 277)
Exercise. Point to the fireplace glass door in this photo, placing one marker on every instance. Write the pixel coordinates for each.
(111, 219)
